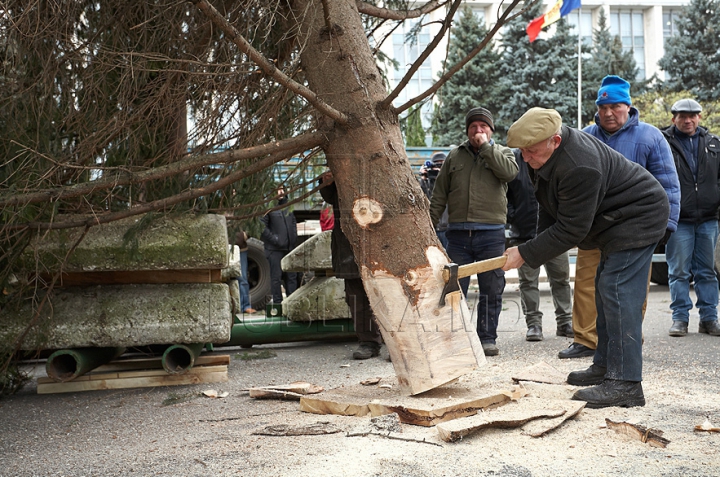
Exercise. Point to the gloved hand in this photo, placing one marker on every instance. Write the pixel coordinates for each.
(665, 238)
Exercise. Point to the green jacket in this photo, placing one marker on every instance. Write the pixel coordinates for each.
(474, 187)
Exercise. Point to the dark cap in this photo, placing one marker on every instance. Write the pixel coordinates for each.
(686, 106)
(479, 114)
(438, 158)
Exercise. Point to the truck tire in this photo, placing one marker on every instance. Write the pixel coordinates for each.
(258, 274)
(659, 273)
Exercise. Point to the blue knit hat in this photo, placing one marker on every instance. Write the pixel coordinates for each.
(614, 90)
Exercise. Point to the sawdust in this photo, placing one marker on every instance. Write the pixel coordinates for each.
(132, 433)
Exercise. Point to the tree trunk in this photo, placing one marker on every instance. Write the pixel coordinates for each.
(385, 214)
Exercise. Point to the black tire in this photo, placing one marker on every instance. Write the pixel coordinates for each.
(258, 274)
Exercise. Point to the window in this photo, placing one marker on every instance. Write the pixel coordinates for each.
(585, 28)
(406, 50)
(628, 24)
(670, 18)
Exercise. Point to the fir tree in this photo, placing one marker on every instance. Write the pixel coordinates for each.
(474, 85)
(413, 129)
(606, 58)
(692, 58)
(542, 73)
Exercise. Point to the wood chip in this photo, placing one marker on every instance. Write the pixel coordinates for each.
(648, 435)
(541, 373)
(293, 391)
(707, 426)
(370, 382)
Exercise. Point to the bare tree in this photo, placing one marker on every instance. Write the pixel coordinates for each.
(95, 94)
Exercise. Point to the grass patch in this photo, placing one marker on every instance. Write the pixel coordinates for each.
(262, 354)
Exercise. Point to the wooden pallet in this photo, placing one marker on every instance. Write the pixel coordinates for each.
(140, 373)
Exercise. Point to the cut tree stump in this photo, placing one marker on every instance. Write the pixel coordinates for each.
(427, 409)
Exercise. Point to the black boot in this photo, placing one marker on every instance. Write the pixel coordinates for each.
(611, 393)
(587, 377)
(534, 333)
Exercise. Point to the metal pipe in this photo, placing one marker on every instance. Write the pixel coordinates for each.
(180, 358)
(67, 364)
(254, 330)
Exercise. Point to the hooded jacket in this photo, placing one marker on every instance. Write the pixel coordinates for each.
(699, 200)
(644, 144)
(591, 196)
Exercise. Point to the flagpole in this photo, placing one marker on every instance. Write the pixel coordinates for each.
(579, 78)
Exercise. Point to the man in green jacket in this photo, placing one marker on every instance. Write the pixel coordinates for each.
(473, 184)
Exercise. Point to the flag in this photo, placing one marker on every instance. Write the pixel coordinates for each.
(559, 10)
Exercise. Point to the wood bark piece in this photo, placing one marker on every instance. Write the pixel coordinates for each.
(510, 415)
(540, 427)
(316, 429)
(292, 391)
(541, 373)
(428, 409)
(639, 432)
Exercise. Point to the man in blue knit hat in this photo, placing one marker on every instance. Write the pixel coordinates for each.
(618, 125)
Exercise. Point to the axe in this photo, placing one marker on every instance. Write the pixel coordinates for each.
(452, 272)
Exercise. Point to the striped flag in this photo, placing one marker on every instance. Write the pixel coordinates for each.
(559, 10)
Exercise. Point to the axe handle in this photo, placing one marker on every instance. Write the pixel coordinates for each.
(477, 267)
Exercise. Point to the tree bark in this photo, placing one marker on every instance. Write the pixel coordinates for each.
(385, 214)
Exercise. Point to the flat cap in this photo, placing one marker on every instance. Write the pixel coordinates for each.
(533, 126)
(686, 106)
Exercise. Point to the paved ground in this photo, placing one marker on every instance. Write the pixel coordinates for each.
(173, 431)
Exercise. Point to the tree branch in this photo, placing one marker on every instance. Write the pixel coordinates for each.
(388, 14)
(292, 145)
(160, 204)
(425, 54)
(267, 66)
(506, 16)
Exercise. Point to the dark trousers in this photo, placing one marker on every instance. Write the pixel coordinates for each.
(620, 291)
(366, 327)
(277, 276)
(468, 246)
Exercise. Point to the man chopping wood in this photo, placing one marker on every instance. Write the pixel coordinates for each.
(590, 196)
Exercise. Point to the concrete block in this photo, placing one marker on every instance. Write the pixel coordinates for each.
(183, 242)
(312, 255)
(124, 315)
(322, 298)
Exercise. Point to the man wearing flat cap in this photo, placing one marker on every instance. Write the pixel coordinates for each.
(591, 196)
(691, 249)
(472, 183)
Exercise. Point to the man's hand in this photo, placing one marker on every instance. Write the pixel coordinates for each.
(478, 139)
(514, 259)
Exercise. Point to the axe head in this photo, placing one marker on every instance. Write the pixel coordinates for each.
(452, 284)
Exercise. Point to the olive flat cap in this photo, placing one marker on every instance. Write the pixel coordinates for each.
(533, 126)
(686, 106)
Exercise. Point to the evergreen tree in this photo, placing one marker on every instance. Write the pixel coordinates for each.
(542, 73)
(654, 107)
(413, 129)
(474, 85)
(606, 58)
(692, 58)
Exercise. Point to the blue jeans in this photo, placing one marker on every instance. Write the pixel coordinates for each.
(691, 251)
(243, 282)
(468, 246)
(620, 291)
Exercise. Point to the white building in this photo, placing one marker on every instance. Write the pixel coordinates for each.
(643, 27)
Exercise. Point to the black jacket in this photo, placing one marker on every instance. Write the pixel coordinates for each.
(343, 258)
(592, 197)
(699, 201)
(280, 230)
(522, 204)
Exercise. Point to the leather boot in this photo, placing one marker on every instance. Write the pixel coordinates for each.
(710, 327)
(611, 393)
(587, 377)
(534, 333)
(565, 330)
(366, 350)
(678, 328)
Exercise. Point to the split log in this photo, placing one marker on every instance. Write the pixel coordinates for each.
(639, 432)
